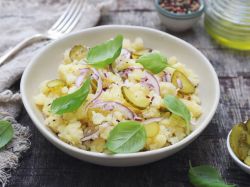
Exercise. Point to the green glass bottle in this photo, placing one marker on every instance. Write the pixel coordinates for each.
(228, 22)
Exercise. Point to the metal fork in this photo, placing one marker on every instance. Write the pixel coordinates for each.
(63, 25)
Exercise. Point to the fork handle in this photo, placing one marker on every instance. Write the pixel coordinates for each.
(21, 45)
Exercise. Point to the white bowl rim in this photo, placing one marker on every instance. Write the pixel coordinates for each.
(42, 128)
(232, 154)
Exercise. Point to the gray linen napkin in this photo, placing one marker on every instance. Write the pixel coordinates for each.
(19, 19)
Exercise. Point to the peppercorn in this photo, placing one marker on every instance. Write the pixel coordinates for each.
(180, 6)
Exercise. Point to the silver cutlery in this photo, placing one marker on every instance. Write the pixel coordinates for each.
(63, 25)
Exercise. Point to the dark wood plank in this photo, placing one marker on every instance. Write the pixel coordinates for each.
(44, 165)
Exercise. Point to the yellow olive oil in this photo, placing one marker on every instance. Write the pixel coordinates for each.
(228, 25)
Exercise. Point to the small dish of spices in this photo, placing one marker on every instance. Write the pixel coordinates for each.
(179, 15)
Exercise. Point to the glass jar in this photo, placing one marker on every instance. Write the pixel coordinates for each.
(228, 22)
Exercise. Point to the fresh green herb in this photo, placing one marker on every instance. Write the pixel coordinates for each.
(6, 132)
(206, 176)
(71, 102)
(106, 53)
(127, 137)
(177, 107)
(154, 62)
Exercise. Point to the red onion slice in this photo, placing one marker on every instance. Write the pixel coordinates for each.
(92, 136)
(193, 122)
(137, 118)
(80, 78)
(84, 70)
(124, 73)
(111, 68)
(125, 53)
(179, 83)
(166, 77)
(105, 124)
(98, 92)
(97, 77)
(152, 82)
(135, 68)
(111, 105)
(151, 120)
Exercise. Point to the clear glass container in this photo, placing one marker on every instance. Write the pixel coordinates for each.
(228, 22)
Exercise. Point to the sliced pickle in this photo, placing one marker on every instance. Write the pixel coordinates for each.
(182, 82)
(248, 126)
(137, 54)
(138, 101)
(234, 138)
(78, 52)
(57, 83)
(238, 141)
(243, 150)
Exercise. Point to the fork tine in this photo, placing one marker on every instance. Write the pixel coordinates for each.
(70, 28)
(69, 16)
(65, 15)
(74, 19)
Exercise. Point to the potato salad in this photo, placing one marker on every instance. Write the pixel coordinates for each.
(120, 97)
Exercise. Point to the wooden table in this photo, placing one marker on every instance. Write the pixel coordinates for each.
(44, 165)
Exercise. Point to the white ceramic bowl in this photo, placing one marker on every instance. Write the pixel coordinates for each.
(44, 66)
(179, 22)
(241, 164)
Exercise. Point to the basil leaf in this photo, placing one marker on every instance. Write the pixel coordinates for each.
(154, 62)
(127, 137)
(106, 53)
(6, 133)
(177, 107)
(71, 102)
(206, 176)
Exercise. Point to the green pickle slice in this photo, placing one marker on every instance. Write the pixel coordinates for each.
(248, 126)
(186, 86)
(138, 101)
(78, 52)
(240, 141)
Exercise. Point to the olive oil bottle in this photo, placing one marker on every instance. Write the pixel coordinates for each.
(228, 22)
